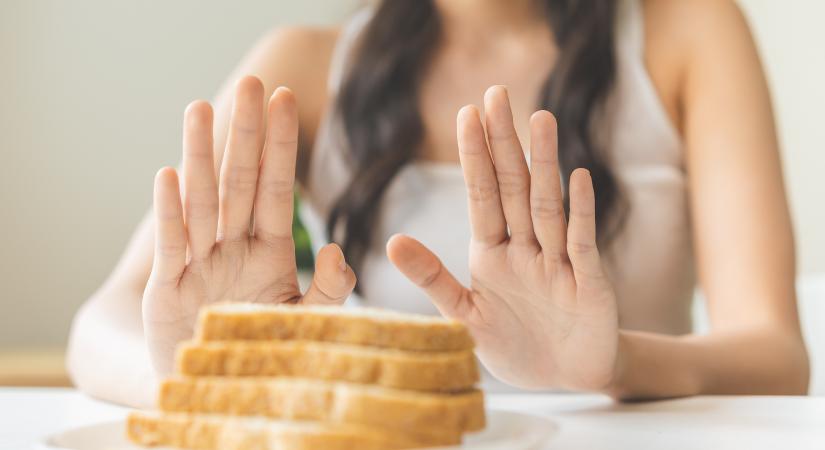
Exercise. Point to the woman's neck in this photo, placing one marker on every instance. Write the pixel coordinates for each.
(478, 20)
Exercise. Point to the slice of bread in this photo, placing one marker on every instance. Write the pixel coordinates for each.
(358, 326)
(326, 401)
(437, 372)
(215, 432)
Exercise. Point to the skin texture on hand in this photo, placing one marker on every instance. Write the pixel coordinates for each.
(229, 238)
(539, 305)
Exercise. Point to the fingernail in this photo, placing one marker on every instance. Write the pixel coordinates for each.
(342, 260)
(281, 89)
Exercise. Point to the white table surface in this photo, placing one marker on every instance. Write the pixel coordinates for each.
(28, 415)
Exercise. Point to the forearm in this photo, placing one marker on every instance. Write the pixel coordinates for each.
(762, 362)
(107, 356)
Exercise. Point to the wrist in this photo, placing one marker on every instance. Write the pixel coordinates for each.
(617, 386)
(651, 366)
(161, 342)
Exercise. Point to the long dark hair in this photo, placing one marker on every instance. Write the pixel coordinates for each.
(378, 104)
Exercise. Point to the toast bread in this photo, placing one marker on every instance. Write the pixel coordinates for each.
(325, 401)
(432, 372)
(357, 326)
(215, 432)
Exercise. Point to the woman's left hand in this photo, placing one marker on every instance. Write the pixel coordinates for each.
(540, 306)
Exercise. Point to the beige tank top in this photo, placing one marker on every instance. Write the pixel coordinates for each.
(650, 262)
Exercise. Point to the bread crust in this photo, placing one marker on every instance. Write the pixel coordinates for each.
(432, 372)
(202, 432)
(325, 401)
(364, 326)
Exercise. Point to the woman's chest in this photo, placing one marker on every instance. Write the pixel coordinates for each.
(449, 86)
(654, 281)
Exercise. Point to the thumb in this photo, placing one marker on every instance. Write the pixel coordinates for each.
(333, 280)
(424, 269)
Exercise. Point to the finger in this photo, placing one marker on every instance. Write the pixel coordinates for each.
(581, 233)
(511, 168)
(170, 233)
(424, 269)
(487, 222)
(200, 191)
(546, 199)
(239, 170)
(274, 197)
(333, 281)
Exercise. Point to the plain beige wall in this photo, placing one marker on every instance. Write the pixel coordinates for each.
(91, 98)
(92, 95)
(792, 41)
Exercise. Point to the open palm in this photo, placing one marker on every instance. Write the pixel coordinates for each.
(230, 238)
(539, 306)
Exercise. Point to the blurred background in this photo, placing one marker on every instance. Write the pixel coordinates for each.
(91, 99)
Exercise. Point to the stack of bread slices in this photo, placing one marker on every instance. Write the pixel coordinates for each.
(295, 377)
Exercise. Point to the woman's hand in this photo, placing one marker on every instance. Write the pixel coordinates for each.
(230, 239)
(539, 306)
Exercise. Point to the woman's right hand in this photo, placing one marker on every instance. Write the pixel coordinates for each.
(229, 238)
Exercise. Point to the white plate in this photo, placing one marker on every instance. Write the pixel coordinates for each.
(505, 430)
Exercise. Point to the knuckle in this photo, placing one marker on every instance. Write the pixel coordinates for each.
(232, 235)
(201, 208)
(546, 207)
(277, 243)
(198, 154)
(580, 248)
(512, 183)
(557, 258)
(170, 250)
(583, 214)
(246, 126)
(241, 179)
(482, 192)
(278, 189)
(589, 277)
(473, 150)
(501, 132)
(431, 278)
(546, 158)
(489, 239)
(282, 137)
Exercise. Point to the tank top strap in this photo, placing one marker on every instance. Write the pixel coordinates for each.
(630, 32)
(347, 42)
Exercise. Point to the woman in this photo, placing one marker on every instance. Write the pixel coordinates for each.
(674, 126)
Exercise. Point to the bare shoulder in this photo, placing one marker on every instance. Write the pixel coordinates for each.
(683, 35)
(307, 48)
(298, 57)
(698, 27)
